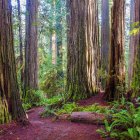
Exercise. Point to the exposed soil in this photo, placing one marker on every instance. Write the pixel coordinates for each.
(95, 99)
(48, 129)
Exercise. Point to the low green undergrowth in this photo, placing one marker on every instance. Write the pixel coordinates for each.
(51, 77)
(38, 98)
(68, 108)
(35, 98)
(26, 106)
(54, 100)
(125, 123)
(73, 107)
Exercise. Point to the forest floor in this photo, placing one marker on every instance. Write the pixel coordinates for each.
(50, 129)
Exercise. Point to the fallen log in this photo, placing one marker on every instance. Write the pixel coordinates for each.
(88, 117)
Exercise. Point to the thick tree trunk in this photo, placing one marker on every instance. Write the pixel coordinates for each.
(136, 52)
(116, 80)
(31, 51)
(134, 39)
(105, 39)
(10, 103)
(20, 42)
(82, 80)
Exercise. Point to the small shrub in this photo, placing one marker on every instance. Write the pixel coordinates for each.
(35, 98)
(51, 77)
(54, 100)
(27, 106)
(68, 108)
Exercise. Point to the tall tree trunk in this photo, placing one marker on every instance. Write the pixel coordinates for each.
(134, 39)
(54, 48)
(31, 51)
(116, 80)
(50, 45)
(83, 48)
(54, 35)
(10, 103)
(59, 37)
(136, 51)
(59, 29)
(105, 39)
(20, 42)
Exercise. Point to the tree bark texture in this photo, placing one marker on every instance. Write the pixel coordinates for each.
(31, 43)
(83, 49)
(54, 48)
(134, 40)
(54, 33)
(116, 80)
(59, 32)
(20, 41)
(10, 103)
(105, 39)
(136, 51)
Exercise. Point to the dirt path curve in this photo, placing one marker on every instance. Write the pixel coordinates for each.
(46, 129)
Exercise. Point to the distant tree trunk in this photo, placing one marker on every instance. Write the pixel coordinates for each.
(54, 48)
(31, 51)
(50, 45)
(134, 39)
(54, 35)
(10, 103)
(20, 42)
(105, 39)
(59, 31)
(59, 37)
(82, 65)
(50, 28)
(116, 80)
(136, 51)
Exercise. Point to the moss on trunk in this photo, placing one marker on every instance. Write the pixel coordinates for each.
(83, 49)
(4, 112)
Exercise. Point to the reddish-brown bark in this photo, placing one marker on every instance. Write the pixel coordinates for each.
(105, 39)
(10, 103)
(83, 49)
(116, 79)
(134, 60)
(31, 51)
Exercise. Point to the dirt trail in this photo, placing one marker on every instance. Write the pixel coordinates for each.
(47, 129)
(95, 99)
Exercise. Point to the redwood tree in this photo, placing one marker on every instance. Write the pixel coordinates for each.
(59, 32)
(135, 51)
(20, 41)
(105, 38)
(31, 51)
(54, 35)
(116, 80)
(82, 80)
(134, 40)
(10, 103)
